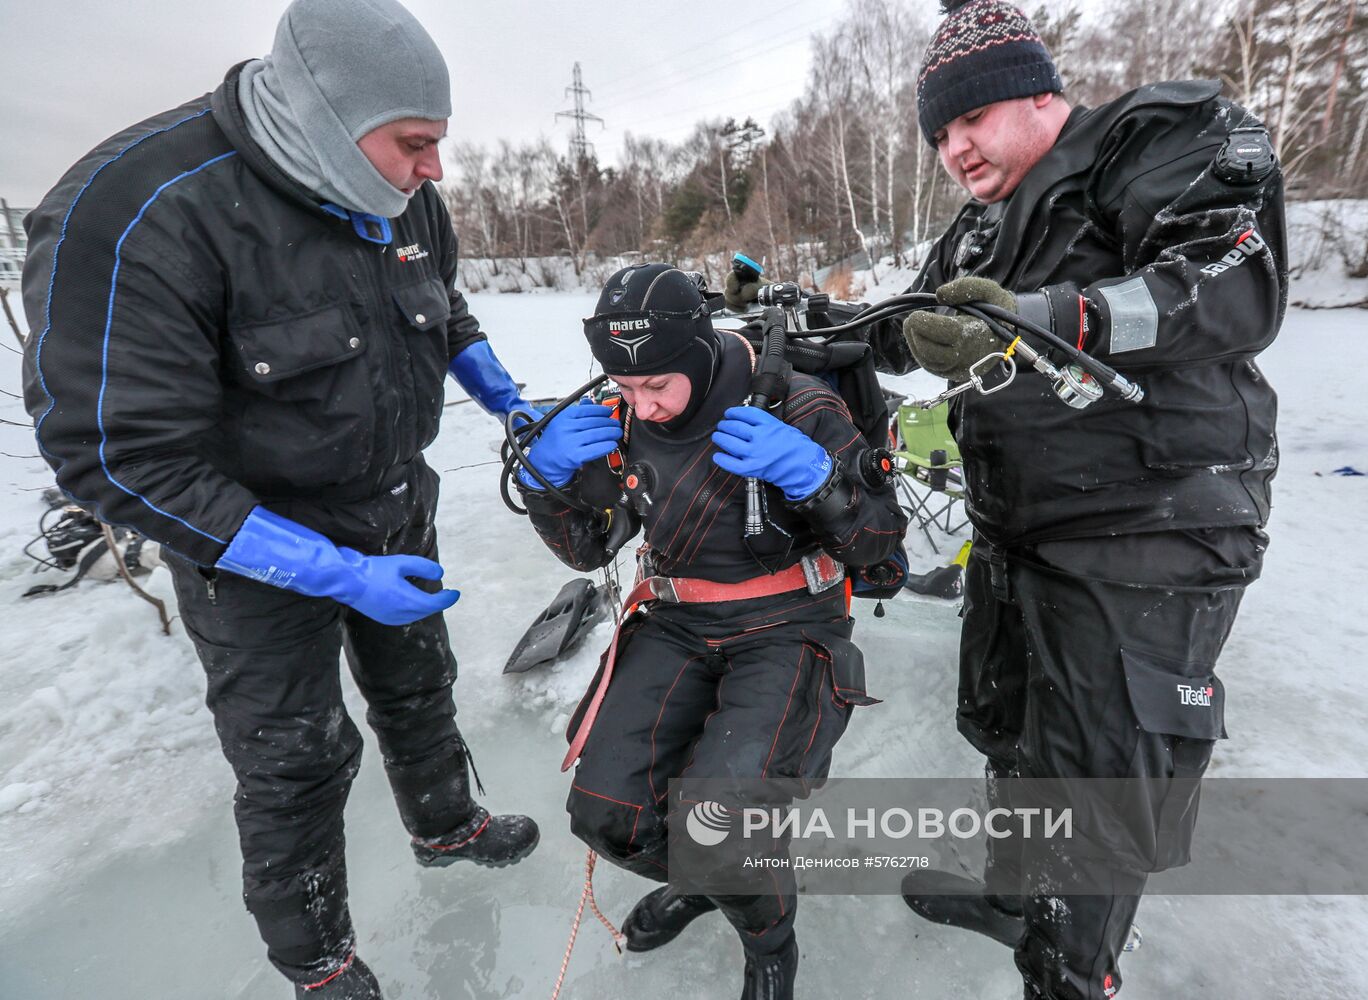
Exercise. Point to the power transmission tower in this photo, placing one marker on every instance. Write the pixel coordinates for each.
(580, 147)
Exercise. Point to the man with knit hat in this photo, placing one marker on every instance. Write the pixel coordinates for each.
(243, 312)
(729, 670)
(1112, 543)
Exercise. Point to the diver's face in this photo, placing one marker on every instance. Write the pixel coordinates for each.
(658, 398)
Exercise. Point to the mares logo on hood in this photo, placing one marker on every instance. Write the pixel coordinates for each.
(631, 345)
(651, 318)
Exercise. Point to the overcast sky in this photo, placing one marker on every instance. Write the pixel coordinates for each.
(76, 71)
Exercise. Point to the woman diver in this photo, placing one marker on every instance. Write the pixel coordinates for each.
(737, 663)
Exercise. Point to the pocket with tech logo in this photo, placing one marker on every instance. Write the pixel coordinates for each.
(1173, 697)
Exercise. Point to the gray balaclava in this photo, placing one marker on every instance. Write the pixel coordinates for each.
(337, 70)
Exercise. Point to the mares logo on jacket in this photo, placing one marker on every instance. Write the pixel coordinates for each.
(411, 252)
(1245, 247)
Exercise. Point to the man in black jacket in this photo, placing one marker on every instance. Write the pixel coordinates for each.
(728, 669)
(243, 312)
(1113, 543)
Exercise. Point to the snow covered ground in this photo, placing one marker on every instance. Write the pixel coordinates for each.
(118, 859)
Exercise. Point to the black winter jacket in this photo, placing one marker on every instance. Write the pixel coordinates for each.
(694, 521)
(206, 337)
(1126, 210)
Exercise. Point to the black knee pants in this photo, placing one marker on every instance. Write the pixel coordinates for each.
(1070, 664)
(746, 690)
(271, 660)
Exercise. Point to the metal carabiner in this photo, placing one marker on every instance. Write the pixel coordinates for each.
(975, 380)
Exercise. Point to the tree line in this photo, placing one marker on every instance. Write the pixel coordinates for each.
(842, 177)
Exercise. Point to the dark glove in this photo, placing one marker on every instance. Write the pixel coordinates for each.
(576, 435)
(949, 345)
(754, 442)
(274, 550)
(738, 295)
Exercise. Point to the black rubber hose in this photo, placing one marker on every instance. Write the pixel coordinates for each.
(1094, 367)
(519, 436)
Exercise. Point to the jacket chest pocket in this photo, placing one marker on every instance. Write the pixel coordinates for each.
(300, 403)
(426, 307)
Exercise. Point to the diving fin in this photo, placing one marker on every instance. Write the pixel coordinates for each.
(943, 581)
(578, 607)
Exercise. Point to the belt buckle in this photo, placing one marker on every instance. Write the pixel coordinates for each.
(821, 572)
(663, 588)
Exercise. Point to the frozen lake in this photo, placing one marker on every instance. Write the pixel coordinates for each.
(119, 870)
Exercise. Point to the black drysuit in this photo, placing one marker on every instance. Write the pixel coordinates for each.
(207, 338)
(733, 690)
(1113, 543)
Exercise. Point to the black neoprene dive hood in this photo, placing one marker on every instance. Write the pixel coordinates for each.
(647, 319)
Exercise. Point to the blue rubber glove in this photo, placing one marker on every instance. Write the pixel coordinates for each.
(754, 442)
(272, 549)
(487, 381)
(578, 434)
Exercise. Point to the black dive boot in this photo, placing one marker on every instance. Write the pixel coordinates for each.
(771, 977)
(354, 981)
(660, 916)
(960, 901)
(492, 841)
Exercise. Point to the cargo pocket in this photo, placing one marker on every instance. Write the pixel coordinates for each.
(426, 307)
(834, 685)
(1174, 697)
(301, 407)
(1180, 708)
(845, 667)
(1195, 422)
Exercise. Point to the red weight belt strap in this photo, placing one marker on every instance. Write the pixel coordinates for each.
(683, 590)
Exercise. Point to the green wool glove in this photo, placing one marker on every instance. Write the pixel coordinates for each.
(738, 295)
(949, 345)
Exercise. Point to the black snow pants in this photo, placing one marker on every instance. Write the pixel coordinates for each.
(740, 690)
(271, 659)
(1071, 660)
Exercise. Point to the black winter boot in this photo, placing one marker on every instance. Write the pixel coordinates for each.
(771, 977)
(492, 841)
(660, 916)
(960, 901)
(354, 981)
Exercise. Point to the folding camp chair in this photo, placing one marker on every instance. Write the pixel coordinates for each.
(932, 476)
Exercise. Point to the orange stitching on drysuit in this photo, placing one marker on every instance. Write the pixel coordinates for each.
(609, 798)
(670, 497)
(764, 771)
(818, 599)
(815, 726)
(782, 911)
(704, 728)
(684, 518)
(818, 405)
(650, 770)
(722, 503)
(697, 519)
(858, 437)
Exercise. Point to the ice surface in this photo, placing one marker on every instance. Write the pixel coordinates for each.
(118, 859)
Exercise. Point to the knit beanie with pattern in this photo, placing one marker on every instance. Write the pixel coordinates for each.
(983, 52)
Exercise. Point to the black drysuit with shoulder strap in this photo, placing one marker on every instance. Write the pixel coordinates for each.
(1114, 542)
(739, 690)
